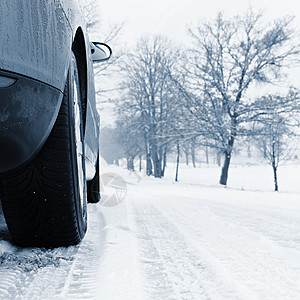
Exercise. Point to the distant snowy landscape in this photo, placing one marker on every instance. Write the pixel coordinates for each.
(193, 239)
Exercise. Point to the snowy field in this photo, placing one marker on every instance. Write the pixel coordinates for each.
(188, 240)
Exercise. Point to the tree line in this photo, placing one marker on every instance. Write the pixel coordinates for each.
(174, 98)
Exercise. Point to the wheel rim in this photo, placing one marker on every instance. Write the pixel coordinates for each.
(78, 142)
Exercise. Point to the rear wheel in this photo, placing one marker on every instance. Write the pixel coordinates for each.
(93, 186)
(44, 202)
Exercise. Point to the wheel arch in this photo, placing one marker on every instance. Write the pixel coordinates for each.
(79, 50)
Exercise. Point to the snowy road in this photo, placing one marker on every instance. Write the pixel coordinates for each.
(168, 241)
(62, 273)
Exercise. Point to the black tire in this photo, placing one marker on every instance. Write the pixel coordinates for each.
(93, 186)
(44, 202)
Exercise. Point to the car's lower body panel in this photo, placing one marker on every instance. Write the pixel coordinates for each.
(28, 110)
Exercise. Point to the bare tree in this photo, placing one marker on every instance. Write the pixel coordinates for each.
(147, 96)
(230, 55)
(130, 137)
(177, 161)
(275, 129)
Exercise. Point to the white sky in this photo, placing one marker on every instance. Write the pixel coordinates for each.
(171, 17)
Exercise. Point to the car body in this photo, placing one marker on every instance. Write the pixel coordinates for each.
(46, 71)
(36, 41)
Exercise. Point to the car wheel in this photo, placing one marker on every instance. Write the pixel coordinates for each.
(44, 202)
(93, 186)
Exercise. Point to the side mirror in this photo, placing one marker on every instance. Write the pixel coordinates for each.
(100, 52)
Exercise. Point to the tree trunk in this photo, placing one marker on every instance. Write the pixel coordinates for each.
(177, 165)
(224, 174)
(156, 162)
(157, 167)
(160, 158)
(265, 150)
(148, 156)
(227, 154)
(274, 167)
(249, 150)
(193, 154)
(148, 164)
(164, 162)
(206, 154)
(275, 177)
(140, 164)
(186, 156)
(130, 165)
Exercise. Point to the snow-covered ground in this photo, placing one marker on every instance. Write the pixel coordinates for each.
(188, 240)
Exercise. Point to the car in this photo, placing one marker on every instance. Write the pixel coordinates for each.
(49, 125)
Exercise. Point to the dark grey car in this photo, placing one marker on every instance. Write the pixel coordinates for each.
(49, 126)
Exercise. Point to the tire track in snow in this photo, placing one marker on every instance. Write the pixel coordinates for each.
(61, 273)
(172, 269)
(82, 280)
(32, 272)
(19, 267)
(246, 255)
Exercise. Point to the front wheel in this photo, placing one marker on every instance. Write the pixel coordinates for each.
(44, 202)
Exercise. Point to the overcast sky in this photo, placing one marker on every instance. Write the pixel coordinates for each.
(171, 17)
